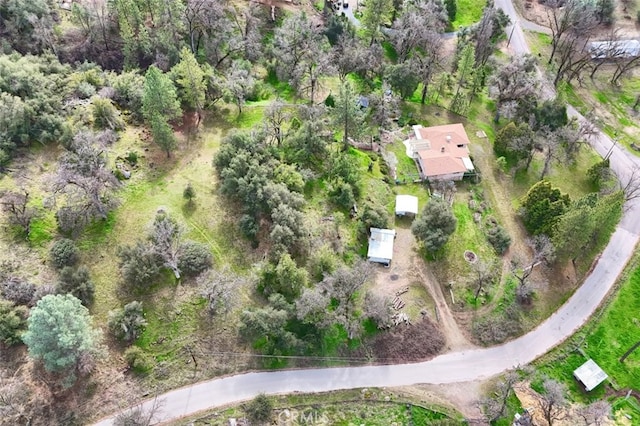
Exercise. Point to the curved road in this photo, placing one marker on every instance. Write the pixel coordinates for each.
(451, 367)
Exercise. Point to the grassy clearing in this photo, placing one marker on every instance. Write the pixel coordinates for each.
(570, 178)
(605, 339)
(469, 12)
(371, 407)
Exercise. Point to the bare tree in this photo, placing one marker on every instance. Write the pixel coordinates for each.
(552, 401)
(595, 414)
(414, 30)
(483, 275)
(494, 407)
(564, 16)
(351, 55)
(15, 206)
(343, 285)
(140, 415)
(542, 251)
(299, 51)
(630, 185)
(378, 308)
(85, 178)
(275, 118)
(166, 237)
(219, 288)
(515, 81)
(624, 65)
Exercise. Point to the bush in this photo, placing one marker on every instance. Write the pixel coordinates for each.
(373, 216)
(189, 193)
(139, 264)
(138, 360)
(18, 291)
(498, 237)
(342, 194)
(13, 321)
(249, 227)
(63, 253)
(284, 278)
(194, 258)
(322, 262)
(132, 158)
(599, 173)
(76, 282)
(127, 323)
(259, 409)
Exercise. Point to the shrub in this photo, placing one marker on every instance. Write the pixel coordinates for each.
(127, 323)
(138, 360)
(498, 237)
(373, 216)
(189, 193)
(76, 282)
(63, 253)
(132, 158)
(322, 262)
(18, 291)
(13, 321)
(249, 227)
(342, 194)
(194, 258)
(259, 409)
(139, 264)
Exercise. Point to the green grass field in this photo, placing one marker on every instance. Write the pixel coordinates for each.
(469, 12)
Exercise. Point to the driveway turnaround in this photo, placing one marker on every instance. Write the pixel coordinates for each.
(453, 367)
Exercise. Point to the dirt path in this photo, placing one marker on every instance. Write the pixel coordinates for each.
(408, 268)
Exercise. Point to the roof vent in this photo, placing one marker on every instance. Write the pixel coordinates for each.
(448, 138)
(442, 149)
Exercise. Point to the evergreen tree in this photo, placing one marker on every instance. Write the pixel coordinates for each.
(452, 9)
(159, 106)
(347, 116)
(190, 78)
(435, 225)
(60, 334)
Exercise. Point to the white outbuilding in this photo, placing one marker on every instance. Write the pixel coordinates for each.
(590, 375)
(406, 204)
(381, 246)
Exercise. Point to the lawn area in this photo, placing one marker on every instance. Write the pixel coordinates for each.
(605, 339)
(570, 178)
(370, 407)
(469, 12)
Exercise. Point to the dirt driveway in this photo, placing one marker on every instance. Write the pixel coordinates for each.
(408, 271)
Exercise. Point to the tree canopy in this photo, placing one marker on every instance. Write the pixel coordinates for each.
(60, 334)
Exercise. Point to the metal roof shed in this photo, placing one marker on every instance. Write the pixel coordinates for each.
(406, 204)
(590, 375)
(381, 245)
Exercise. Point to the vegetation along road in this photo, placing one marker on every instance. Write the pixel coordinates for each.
(451, 367)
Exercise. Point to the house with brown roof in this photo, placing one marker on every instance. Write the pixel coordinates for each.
(440, 152)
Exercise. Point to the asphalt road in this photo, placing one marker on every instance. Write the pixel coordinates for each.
(452, 367)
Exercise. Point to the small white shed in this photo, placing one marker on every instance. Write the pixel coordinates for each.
(406, 204)
(590, 375)
(381, 246)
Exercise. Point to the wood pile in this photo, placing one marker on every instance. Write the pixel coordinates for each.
(400, 318)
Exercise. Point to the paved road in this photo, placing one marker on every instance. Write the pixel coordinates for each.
(451, 367)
